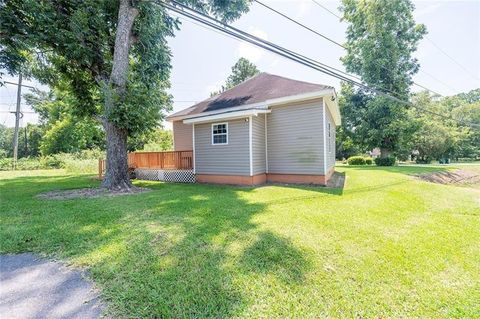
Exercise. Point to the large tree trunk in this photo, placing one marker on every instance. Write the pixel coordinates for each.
(116, 175)
(384, 152)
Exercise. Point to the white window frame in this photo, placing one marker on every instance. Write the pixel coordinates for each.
(226, 134)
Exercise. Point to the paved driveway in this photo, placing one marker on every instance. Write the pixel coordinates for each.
(31, 287)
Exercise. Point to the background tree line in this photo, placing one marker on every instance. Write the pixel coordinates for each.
(428, 138)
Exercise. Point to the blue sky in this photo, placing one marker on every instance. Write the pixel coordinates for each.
(202, 58)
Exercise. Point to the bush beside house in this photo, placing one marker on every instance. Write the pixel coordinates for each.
(359, 160)
(362, 160)
(385, 161)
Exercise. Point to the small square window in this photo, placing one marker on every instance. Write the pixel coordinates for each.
(220, 133)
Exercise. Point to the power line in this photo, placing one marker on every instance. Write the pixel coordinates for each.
(281, 51)
(326, 9)
(451, 58)
(327, 38)
(251, 38)
(437, 79)
(334, 14)
(248, 35)
(223, 27)
(300, 24)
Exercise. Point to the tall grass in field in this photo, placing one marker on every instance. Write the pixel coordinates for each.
(81, 162)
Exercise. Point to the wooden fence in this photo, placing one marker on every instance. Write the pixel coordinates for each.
(156, 160)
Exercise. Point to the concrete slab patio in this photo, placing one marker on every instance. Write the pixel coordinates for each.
(32, 287)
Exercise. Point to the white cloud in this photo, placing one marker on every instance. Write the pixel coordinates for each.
(250, 51)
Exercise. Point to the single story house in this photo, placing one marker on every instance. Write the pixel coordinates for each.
(266, 129)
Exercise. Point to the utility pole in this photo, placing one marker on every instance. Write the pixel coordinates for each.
(17, 122)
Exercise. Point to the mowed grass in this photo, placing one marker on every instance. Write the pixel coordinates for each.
(386, 246)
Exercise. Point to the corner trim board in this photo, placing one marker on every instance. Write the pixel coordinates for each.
(266, 144)
(250, 143)
(324, 138)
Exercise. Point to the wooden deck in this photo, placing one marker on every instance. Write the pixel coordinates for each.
(170, 160)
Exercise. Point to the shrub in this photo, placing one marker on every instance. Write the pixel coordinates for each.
(27, 163)
(89, 166)
(50, 161)
(6, 164)
(356, 160)
(368, 160)
(385, 161)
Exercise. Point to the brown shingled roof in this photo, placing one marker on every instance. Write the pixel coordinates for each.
(259, 88)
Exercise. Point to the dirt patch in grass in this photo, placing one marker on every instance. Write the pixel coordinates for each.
(90, 193)
(459, 177)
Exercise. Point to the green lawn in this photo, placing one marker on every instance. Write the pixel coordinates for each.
(388, 245)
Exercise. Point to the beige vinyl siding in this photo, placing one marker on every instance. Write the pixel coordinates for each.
(295, 138)
(258, 144)
(230, 159)
(182, 136)
(330, 151)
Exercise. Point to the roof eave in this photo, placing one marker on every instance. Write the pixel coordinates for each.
(225, 116)
(260, 105)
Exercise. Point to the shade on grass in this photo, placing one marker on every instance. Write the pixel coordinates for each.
(388, 245)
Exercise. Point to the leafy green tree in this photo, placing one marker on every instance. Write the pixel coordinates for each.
(345, 146)
(64, 130)
(151, 141)
(242, 70)
(113, 54)
(32, 139)
(381, 37)
(432, 141)
(438, 138)
(161, 140)
(68, 136)
(28, 144)
(469, 143)
(6, 141)
(470, 97)
(351, 104)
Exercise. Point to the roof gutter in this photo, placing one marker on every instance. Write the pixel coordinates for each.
(231, 115)
(260, 105)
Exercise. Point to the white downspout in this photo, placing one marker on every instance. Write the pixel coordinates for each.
(266, 145)
(193, 144)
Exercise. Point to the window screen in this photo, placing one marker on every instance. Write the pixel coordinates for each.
(220, 133)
